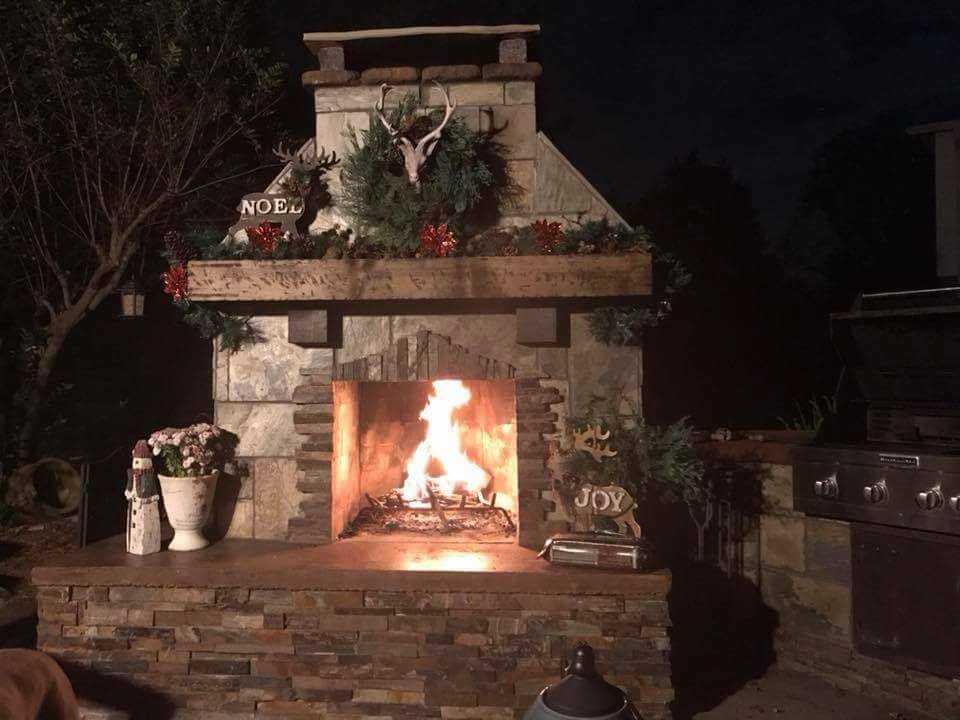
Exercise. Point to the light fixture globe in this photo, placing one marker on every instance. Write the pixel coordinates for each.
(582, 694)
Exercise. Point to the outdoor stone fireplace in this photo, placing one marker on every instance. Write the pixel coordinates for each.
(345, 586)
(338, 335)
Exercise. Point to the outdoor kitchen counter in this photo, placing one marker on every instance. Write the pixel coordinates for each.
(345, 565)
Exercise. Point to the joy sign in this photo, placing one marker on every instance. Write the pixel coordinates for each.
(611, 501)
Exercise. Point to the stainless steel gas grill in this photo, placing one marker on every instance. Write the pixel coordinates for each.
(889, 462)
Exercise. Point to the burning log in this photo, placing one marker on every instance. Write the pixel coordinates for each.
(437, 509)
(373, 501)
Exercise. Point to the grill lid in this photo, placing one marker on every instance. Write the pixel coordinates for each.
(902, 347)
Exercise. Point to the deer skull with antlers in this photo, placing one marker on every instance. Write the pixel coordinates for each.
(415, 156)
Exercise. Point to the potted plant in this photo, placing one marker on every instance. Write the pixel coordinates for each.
(191, 459)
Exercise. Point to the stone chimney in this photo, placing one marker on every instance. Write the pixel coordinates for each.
(498, 95)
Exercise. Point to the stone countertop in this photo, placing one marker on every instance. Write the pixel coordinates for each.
(354, 564)
(774, 449)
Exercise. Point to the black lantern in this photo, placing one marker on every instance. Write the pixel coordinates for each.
(131, 300)
(582, 694)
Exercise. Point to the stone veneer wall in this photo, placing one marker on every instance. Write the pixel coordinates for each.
(802, 565)
(278, 398)
(247, 653)
(499, 96)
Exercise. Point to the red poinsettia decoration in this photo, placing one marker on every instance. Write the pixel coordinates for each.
(437, 241)
(547, 236)
(265, 236)
(175, 282)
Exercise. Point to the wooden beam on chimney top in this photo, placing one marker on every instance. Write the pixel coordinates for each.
(320, 39)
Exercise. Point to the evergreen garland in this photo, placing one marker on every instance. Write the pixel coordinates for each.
(651, 461)
(388, 210)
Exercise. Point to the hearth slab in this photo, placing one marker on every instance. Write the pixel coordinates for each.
(355, 564)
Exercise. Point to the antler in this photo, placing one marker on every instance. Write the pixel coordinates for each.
(414, 157)
(429, 141)
(319, 161)
(378, 109)
(589, 441)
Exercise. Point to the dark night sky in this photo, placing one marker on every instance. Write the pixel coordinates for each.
(630, 86)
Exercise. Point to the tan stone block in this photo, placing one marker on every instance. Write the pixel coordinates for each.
(327, 78)
(331, 57)
(777, 488)
(832, 601)
(382, 695)
(523, 178)
(276, 497)
(472, 639)
(447, 73)
(292, 708)
(97, 614)
(327, 599)
(470, 117)
(390, 75)
(512, 71)
(232, 518)
(242, 621)
(333, 132)
(265, 428)
(52, 592)
(337, 623)
(94, 594)
(138, 616)
(515, 127)
(598, 370)
(392, 683)
(357, 97)
(481, 712)
(827, 549)
(520, 92)
(512, 50)
(221, 372)
(465, 93)
(362, 336)
(268, 371)
(417, 623)
(782, 540)
(307, 682)
(282, 598)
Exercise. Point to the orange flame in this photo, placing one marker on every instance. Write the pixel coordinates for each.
(442, 444)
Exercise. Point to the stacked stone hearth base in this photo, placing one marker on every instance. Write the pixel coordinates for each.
(251, 629)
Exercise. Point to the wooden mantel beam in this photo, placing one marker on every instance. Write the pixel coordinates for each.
(462, 278)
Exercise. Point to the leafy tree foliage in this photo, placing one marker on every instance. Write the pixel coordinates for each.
(114, 120)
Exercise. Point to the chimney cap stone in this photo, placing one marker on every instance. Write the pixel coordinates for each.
(316, 40)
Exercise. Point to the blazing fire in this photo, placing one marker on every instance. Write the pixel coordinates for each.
(442, 450)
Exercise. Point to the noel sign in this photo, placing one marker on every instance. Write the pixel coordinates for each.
(256, 208)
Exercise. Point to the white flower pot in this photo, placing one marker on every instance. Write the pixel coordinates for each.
(188, 501)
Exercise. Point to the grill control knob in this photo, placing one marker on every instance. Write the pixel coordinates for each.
(931, 499)
(826, 488)
(954, 503)
(876, 493)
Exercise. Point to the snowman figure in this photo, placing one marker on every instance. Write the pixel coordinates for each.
(143, 498)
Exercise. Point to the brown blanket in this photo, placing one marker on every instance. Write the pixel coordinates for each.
(33, 687)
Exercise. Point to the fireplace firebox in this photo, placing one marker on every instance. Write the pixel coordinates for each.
(425, 458)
